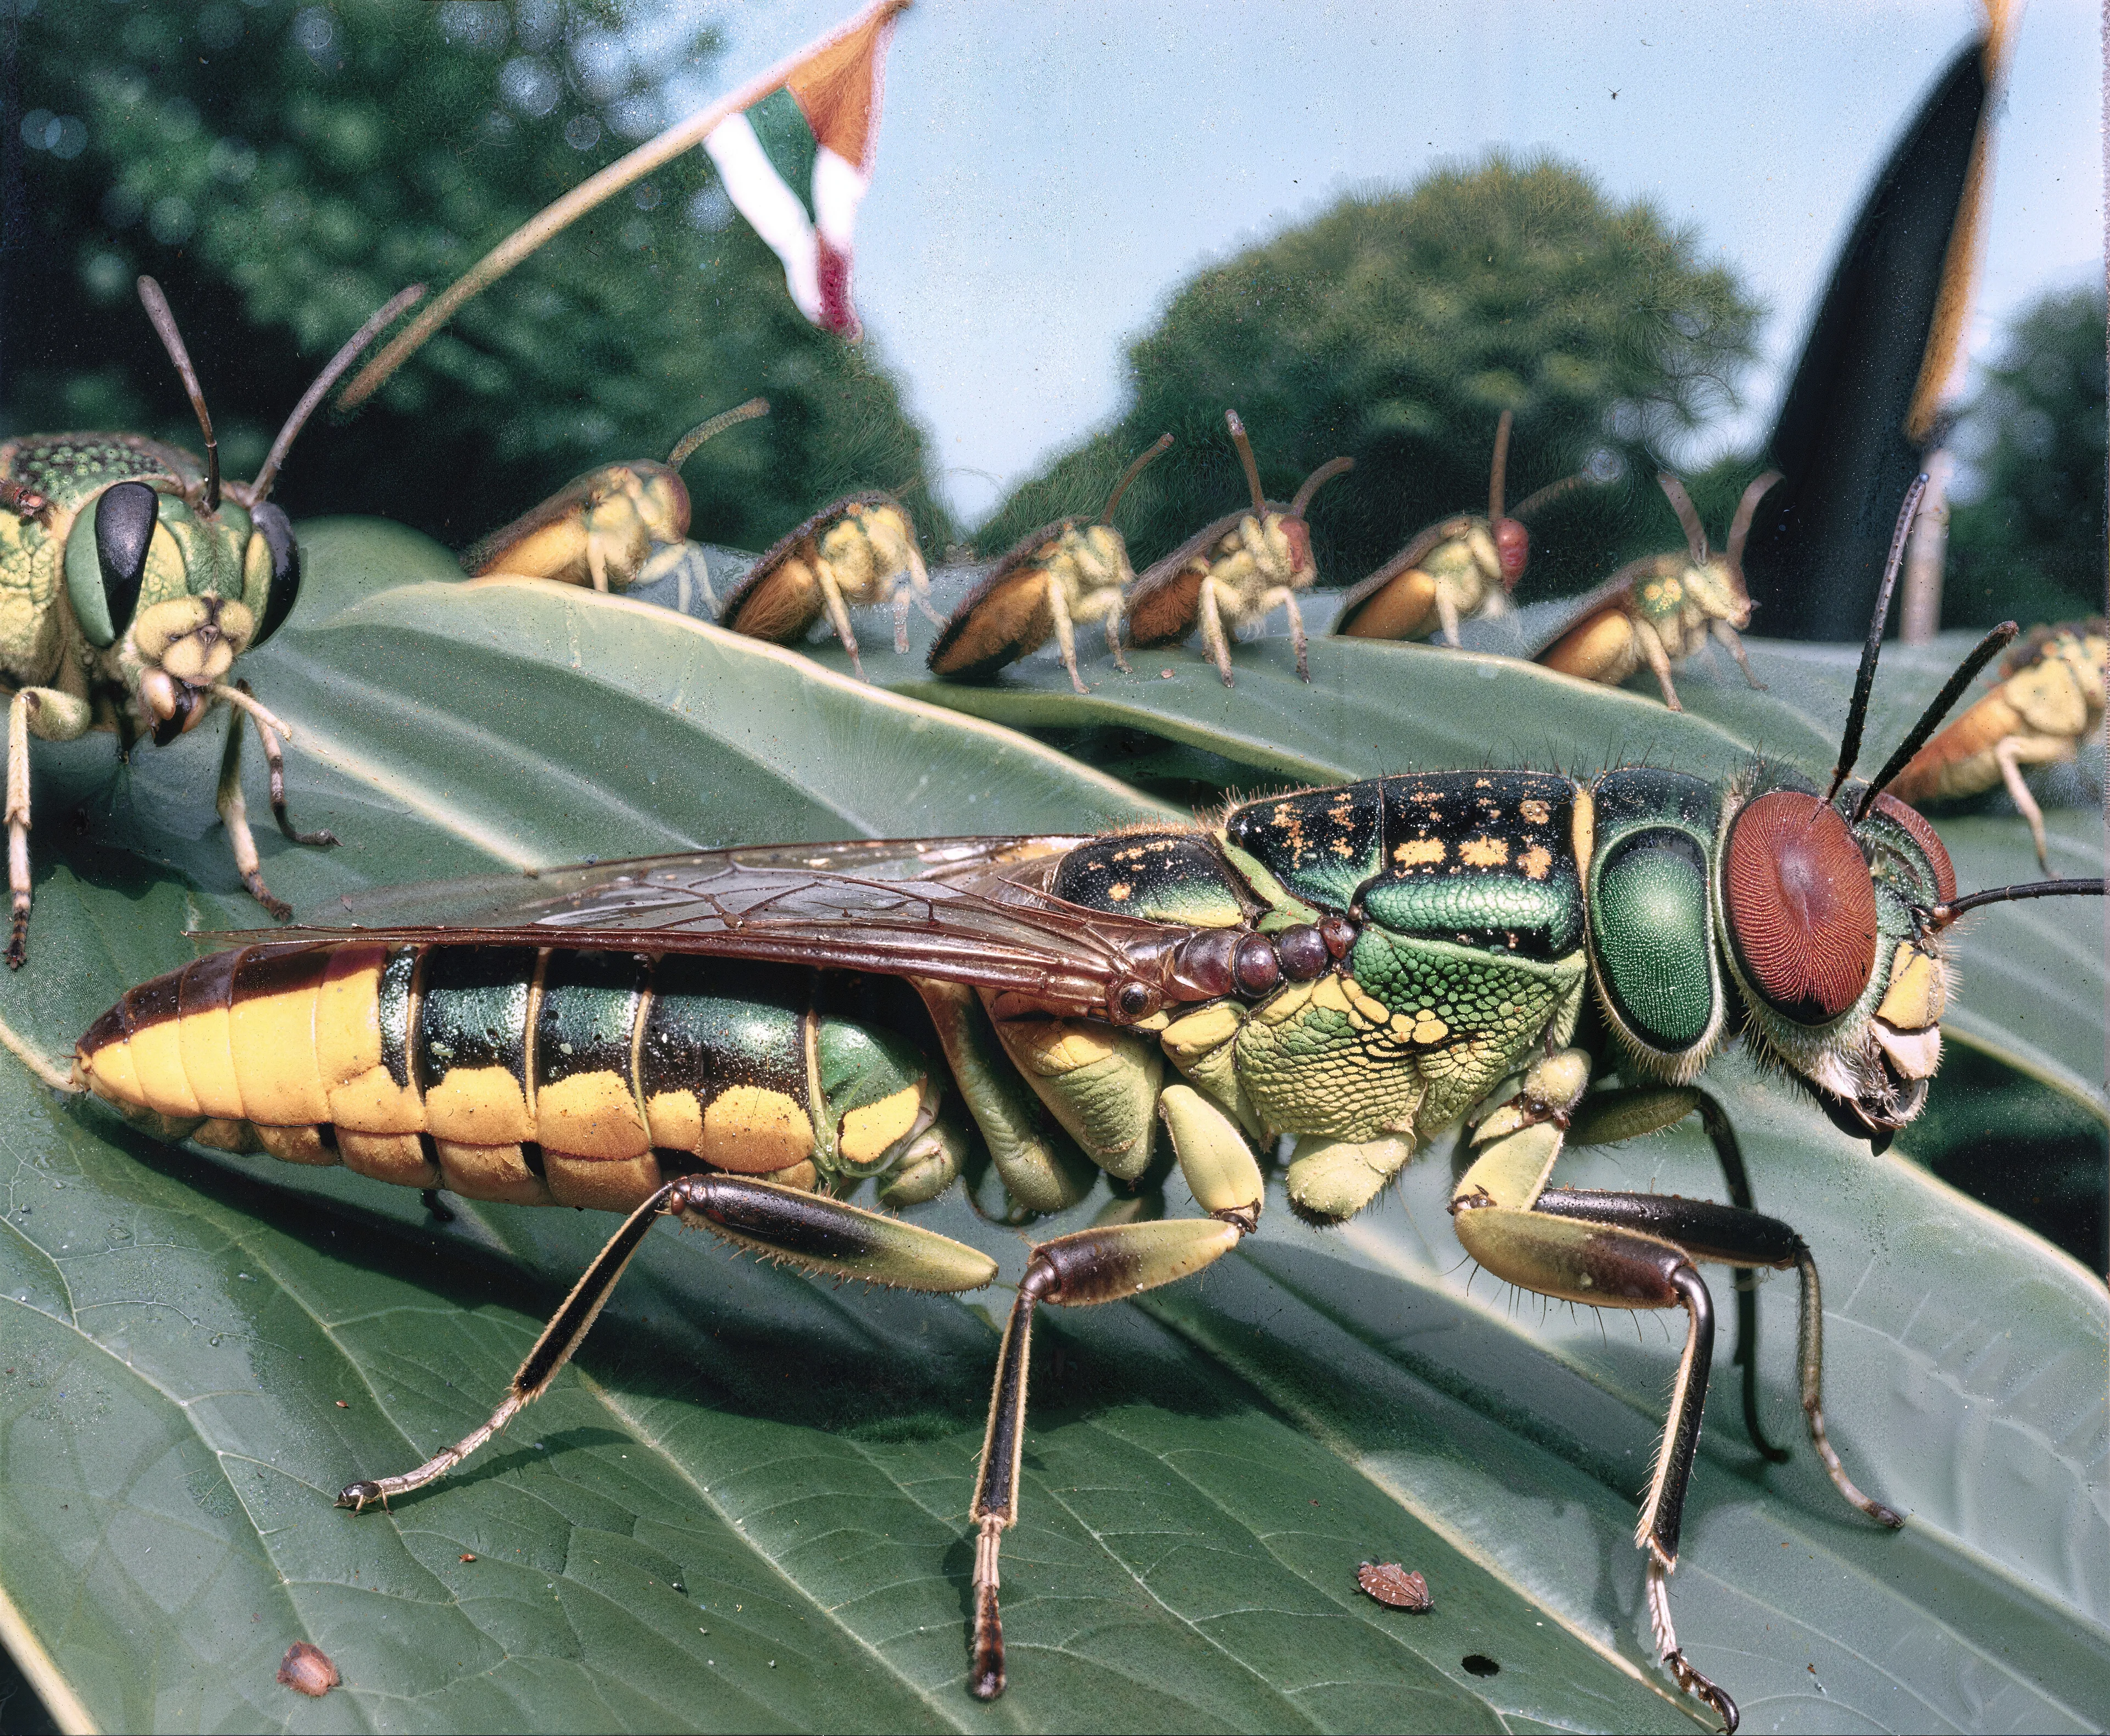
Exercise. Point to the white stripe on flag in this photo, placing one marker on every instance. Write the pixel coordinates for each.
(755, 187)
(838, 188)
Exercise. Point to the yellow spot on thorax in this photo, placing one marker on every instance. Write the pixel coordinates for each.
(1485, 853)
(1418, 851)
(1536, 862)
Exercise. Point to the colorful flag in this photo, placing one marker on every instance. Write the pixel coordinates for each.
(833, 102)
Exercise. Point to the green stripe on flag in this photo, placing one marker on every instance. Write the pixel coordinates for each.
(788, 142)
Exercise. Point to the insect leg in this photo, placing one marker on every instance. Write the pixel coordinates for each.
(18, 824)
(1447, 610)
(275, 759)
(1113, 633)
(1089, 1266)
(234, 814)
(819, 1234)
(1607, 1117)
(839, 614)
(1738, 1237)
(1297, 635)
(1212, 631)
(1659, 660)
(596, 562)
(2007, 754)
(1066, 634)
(1728, 637)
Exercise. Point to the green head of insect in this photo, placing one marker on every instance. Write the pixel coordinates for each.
(173, 576)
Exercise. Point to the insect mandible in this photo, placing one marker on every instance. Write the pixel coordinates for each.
(133, 578)
(1235, 572)
(1062, 573)
(621, 524)
(733, 1037)
(1659, 610)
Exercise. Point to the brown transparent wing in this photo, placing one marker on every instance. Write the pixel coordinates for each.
(966, 909)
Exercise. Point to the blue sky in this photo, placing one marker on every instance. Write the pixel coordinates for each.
(1049, 175)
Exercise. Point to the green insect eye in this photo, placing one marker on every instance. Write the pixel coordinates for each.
(105, 595)
(276, 529)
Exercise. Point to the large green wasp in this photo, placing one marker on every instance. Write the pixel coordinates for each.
(739, 1038)
(131, 579)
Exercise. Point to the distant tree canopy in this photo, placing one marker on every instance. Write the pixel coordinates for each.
(283, 170)
(1397, 330)
(2026, 540)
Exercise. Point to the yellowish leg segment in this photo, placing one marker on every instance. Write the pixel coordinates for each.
(839, 614)
(1659, 660)
(1213, 637)
(808, 1230)
(1080, 1270)
(56, 717)
(1446, 611)
(1728, 637)
(2011, 752)
(234, 815)
(1066, 634)
(267, 732)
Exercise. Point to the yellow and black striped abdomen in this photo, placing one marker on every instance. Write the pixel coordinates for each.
(510, 1074)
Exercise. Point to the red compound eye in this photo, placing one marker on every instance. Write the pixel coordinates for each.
(1801, 906)
(1297, 534)
(1925, 836)
(1512, 550)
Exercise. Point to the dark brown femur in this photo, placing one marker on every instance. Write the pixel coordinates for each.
(1801, 906)
(1926, 837)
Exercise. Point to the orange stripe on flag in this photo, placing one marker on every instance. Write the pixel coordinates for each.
(838, 90)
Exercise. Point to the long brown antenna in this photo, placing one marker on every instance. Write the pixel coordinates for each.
(1499, 473)
(704, 431)
(383, 316)
(1865, 678)
(1547, 495)
(1245, 456)
(1747, 510)
(1965, 672)
(1163, 445)
(1942, 915)
(165, 326)
(1688, 515)
(1319, 478)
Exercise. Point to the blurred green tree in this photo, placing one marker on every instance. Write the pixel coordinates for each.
(1396, 329)
(2026, 535)
(282, 169)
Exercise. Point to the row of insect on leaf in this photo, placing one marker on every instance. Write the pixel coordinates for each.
(627, 524)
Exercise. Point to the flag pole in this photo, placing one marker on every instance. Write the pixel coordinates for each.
(681, 136)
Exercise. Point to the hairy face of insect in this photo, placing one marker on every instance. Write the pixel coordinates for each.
(1714, 590)
(168, 596)
(1827, 936)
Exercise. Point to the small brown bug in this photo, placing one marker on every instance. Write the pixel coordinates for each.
(1235, 573)
(305, 1669)
(1062, 573)
(1390, 1583)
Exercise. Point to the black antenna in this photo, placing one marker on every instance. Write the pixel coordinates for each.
(1983, 653)
(1942, 915)
(1162, 445)
(1864, 679)
(386, 316)
(1319, 478)
(164, 324)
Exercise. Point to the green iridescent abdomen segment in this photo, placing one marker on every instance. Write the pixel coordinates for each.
(1483, 859)
(1651, 918)
(1163, 876)
(529, 1076)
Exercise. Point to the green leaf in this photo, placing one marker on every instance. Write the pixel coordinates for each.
(1204, 1470)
